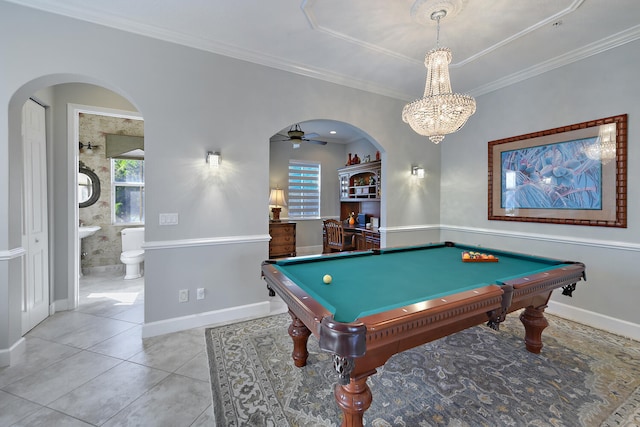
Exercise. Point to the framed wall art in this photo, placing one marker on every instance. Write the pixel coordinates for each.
(574, 174)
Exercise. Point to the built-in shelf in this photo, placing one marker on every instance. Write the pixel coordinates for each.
(360, 182)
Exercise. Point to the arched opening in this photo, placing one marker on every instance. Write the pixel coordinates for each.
(64, 98)
(327, 145)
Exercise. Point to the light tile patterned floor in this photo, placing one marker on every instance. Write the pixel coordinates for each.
(90, 367)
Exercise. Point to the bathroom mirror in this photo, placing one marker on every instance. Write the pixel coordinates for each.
(88, 187)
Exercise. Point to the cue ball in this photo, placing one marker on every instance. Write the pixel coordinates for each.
(326, 279)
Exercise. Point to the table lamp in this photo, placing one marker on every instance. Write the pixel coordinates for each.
(276, 198)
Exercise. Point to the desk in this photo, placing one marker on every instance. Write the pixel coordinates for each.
(365, 238)
(383, 302)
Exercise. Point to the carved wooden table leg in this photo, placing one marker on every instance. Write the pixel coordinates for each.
(354, 399)
(534, 323)
(300, 335)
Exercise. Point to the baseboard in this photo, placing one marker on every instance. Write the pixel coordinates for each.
(58, 305)
(210, 318)
(15, 352)
(595, 320)
(104, 269)
(308, 250)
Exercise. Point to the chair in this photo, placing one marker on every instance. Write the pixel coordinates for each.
(335, 239)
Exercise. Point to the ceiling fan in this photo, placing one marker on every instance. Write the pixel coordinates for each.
(297, 135)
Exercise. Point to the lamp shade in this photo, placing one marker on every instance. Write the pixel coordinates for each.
(276, 197)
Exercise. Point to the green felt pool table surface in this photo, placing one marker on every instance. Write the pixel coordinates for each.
(372, 282)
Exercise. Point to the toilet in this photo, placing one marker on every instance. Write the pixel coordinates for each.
(132, 253)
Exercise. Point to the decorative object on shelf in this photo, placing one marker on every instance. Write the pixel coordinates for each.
(361, 181)
(440, 111)
(356, 160)
(377, 155)
(213, 159)
(350, 161)
(276, 198)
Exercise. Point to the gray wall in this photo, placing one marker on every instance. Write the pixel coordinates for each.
(599, 86)
(192, 102)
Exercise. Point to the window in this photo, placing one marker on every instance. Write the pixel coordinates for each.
(127, 191)
(304, 189)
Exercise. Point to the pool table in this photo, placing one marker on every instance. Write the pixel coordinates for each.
(384, 301)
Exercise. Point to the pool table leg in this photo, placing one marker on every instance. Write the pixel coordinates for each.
(300, 335)
(534, 323)
(354, 399)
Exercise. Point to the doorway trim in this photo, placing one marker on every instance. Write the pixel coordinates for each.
(73, 132)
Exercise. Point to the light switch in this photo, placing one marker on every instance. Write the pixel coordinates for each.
(168, 219)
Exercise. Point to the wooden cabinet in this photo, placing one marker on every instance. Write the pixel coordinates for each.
(283, 239)
(367, 239)
(360, 182)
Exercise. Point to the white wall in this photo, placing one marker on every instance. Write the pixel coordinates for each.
(192, 102)
(600, 86)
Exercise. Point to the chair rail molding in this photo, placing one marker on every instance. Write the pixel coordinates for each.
(211, 241)
(12, 253)
(597, 243)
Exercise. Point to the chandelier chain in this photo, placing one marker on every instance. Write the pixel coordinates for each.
(438, 32)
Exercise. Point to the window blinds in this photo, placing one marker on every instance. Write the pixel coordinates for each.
(304, 189)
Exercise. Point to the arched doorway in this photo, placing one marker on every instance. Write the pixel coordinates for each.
(56, 93)
(341, 139)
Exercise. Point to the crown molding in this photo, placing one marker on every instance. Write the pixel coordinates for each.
(595, 48)
(260, 58)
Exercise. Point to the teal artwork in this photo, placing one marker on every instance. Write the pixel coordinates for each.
(553, 176)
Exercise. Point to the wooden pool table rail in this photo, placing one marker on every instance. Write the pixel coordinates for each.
(361, 346)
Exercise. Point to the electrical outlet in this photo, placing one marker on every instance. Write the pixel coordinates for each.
(200, 293)
(168, 219)
(183, 295)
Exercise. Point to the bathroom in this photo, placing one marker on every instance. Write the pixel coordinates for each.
(102, 251)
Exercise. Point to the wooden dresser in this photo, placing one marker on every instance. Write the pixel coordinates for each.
(283, 239)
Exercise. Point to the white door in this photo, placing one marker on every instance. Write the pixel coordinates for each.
(35, 289)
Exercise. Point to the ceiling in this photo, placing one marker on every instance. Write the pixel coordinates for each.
(378, 45)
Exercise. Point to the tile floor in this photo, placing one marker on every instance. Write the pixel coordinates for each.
(90, 367)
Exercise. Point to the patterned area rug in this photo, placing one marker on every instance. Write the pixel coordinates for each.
(477, 377)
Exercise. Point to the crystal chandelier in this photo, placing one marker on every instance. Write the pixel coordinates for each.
(439, 112)
(604, 149)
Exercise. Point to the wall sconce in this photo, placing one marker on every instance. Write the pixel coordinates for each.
(213, 159)
(88, 146)
(276, 198)
(417, 171)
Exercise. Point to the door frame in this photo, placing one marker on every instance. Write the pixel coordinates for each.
(73, 135)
